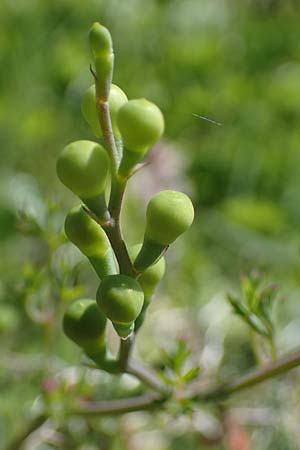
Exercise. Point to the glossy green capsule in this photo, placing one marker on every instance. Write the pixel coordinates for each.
(169, 214)
(121, 299)
(91, 240)
(85, 324)
(83, 167)
(141, 124)
(149, 279)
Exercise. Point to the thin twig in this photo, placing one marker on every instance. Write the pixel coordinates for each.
(147, 376)
(271, 370)
(28, 429)
(125, 405)
(125, 351)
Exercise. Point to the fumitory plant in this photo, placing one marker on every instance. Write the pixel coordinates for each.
(97, 172)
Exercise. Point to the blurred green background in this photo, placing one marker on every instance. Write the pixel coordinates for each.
(234, 62)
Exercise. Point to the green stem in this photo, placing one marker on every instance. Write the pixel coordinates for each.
(124, 352)
(107, 132)
(273, 349)
(114, 235)
(122, 406)
(271, 370)
(147, 376)
(28, 429)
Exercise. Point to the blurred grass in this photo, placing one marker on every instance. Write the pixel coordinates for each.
(234, 62)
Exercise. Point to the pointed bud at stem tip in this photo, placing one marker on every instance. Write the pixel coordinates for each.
(100, 40)
(102, 51)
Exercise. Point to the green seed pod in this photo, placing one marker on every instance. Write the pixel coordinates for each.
(121, 299)
(141, 124)
(102, 51)
(169, 214)
(117, 98)
(84, 324)
(92, 241)
(149, 279)
(83, 167)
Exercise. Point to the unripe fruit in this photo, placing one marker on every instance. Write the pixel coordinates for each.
(83, 167)
(85, 233)
(169, 214)
(141, 125)
(85, 324)
(90, 238)
(149, 279)
(121, 299)
(117, 98)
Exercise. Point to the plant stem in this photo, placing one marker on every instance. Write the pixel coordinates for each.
(113, 228)
(271, 370)
(124, 352)
(125, 405)
(31, 426)
(107, 132)
(147, 376)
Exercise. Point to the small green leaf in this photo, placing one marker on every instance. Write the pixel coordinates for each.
(166, 379)
(191, 374)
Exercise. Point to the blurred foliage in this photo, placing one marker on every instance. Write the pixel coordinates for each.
(236, 63)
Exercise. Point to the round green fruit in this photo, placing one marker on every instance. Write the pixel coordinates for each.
(83, 167)
(149, 279)
(84, 324)
(169, 214)
(85, 233)
(141, 125)
(121, 299)
(117, 98)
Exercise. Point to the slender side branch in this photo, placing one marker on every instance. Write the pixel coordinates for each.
(148, 376)
(281, 366)
(29, 428)
(125, 405)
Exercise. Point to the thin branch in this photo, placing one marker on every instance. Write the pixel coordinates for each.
(147, 376)
(114, 407)
(125, 351)
(28, 429)
(221, 392)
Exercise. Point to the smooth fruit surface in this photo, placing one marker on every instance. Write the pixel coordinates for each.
(169, 214)
(83, 167)
(150, 278)
(141, 124)
(84, 324)
(85, 233)
(121, 298)
(117, 98)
